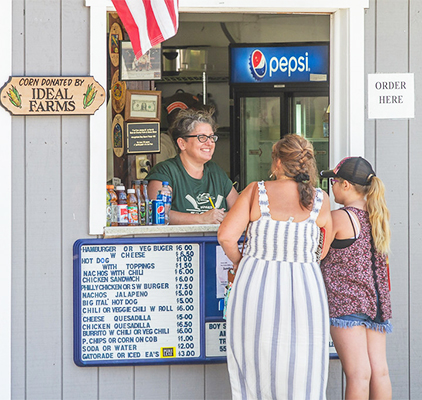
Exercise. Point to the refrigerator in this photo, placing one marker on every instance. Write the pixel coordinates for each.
(276, 89)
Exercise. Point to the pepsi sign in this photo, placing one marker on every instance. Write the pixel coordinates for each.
(279, 64)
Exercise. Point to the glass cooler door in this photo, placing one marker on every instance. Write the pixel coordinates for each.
(259, 130)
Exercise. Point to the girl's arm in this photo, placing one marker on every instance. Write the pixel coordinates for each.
(234, 225)
(325, 221)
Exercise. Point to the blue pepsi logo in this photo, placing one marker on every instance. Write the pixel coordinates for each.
(258, 65)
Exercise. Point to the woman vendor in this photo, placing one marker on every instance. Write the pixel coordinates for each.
(202, 191)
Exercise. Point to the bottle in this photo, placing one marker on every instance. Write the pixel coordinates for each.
(122, 218)
(108, 207)
(148, 204)
(166, 192)
(132, 208)
(111, 206)
(137, 186)
(158, 210)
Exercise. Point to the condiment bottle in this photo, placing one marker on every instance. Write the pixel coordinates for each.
(138, 193)
(132, 207)
(112, 208)
(122, 217)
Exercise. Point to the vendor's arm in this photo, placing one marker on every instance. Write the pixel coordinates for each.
(234, 225)
(214, 216)
(153, 188)
(231, 198)
(325, 222)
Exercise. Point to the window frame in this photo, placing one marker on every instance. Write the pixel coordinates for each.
(346, 77)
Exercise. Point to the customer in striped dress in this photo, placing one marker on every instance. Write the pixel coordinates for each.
(277, 315)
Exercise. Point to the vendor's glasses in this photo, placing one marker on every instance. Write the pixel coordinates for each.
(333, 181)
(204, 138)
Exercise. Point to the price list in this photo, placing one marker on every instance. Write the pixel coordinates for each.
(137, 303)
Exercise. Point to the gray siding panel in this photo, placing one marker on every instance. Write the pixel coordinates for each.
(116, 383)
(42, 38)
(335, 385)
(392, 165)
(18, 367)
(387, 147)
(187, 382)
(217, 384)
(44, 258)
(18, 261)
(370, 68)
(415, 210)
(75, 162)
(146, 387)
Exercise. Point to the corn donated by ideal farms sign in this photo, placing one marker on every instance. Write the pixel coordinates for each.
(52, 95)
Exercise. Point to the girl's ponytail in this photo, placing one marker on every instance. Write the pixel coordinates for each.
(379, 216)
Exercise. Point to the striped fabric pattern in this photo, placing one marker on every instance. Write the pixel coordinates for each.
(148, 22)
(277, 318)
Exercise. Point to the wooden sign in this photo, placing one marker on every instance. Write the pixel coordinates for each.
(114, 39)
(143, 137)
(117, 132)
(57, 95)
(118, 93)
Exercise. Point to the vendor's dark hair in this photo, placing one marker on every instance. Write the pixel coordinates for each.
(297, 158)
(186, 121)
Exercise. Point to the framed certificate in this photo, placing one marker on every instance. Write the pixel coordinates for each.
(146, 67)
(143, 105)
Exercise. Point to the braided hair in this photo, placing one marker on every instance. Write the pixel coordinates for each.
(297, 158)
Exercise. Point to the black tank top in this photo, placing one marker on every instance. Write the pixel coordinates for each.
(343, 243)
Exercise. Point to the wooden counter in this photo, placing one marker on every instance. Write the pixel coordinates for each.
(160, 230)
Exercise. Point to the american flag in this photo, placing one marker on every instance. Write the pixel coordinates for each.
(148, 22)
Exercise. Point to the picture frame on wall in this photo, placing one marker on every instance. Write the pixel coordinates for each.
(147, 67)
(143, 105)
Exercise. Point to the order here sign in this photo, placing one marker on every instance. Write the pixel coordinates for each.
(391, 96)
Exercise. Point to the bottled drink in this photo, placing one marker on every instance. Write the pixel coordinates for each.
(111, 206)
(122, 217)
(137, 186)
(167, 197)
(132, 207)
(158, 210)
(148, 204)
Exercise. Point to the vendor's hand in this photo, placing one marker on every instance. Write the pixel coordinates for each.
(214, 216)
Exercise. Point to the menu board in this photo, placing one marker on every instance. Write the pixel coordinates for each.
(149, 301)
(137, 302)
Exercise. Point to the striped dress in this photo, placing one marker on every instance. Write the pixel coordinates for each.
(277, 316)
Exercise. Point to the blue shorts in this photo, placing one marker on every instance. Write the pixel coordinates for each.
(351, 320)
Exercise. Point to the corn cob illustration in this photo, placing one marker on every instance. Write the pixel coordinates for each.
(14, 97)
(89, 96)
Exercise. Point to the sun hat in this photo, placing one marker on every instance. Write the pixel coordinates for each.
(352, 169)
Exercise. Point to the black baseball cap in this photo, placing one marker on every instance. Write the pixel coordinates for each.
(352, 169)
